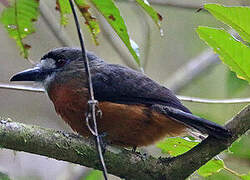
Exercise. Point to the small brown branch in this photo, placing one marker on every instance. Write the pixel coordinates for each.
(120, 162)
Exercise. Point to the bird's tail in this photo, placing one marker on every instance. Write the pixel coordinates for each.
(196, 122)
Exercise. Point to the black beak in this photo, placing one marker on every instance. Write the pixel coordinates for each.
(34, 74)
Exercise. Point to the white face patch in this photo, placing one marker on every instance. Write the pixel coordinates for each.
(45, 83)
(47, 64)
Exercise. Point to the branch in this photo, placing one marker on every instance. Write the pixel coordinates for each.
(120, 162)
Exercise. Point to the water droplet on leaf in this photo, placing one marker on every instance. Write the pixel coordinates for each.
(12, 26)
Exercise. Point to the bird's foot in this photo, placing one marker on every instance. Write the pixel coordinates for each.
(142, 155)
(134, 149)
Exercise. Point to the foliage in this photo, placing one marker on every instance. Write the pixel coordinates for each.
(176, 146)
(236, 17)
(232, 52)
(112, 14)
(94, 175)
(90, 20)
(18, 21)
(235, 54)
(64, 8)
(4, 176)
(241, 147)
(245, 176)
(234, 84)
(211, 167)
(19, 17)
(151, 12)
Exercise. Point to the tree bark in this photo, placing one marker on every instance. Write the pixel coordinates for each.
(120, 162)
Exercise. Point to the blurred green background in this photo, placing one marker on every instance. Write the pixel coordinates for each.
(161, 57)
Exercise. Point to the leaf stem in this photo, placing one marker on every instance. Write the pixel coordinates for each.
(231, 171)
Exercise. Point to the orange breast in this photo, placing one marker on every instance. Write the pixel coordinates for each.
(125, 125)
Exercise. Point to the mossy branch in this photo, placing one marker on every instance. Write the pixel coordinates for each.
(120, 162)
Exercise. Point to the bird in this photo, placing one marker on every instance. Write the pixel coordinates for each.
(136, 110)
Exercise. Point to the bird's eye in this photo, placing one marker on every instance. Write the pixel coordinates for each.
(60, 62)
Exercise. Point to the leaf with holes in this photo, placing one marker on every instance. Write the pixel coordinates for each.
(112, 14)
(236, 17)
(211, 167)
(176, 146)
(90, 20)
(64, 8)
(232, 52)
(157, 18)
(18, 21)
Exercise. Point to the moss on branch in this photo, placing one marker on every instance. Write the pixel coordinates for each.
(120, 162)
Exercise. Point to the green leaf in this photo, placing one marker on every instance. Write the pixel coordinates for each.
(64, 8)
(112, 15)
(236, 17)
(94, 175)
(18, 21)
(245, 176)
(176, 146)
(233, 53)
(241, 147)
(151, 12)
(211, 167)
(234, 84)
(90, 20)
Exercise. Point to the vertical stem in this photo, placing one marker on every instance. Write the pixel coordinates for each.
(92, 102)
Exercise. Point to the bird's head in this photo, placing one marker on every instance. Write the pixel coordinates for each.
(57, 65)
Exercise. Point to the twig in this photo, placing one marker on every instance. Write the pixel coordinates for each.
(92, 103)
(123, 163)
(182, 98)
(191, 70)
(214, 101)
(19, 87)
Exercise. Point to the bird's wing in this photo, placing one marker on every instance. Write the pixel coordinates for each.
(123, 85)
